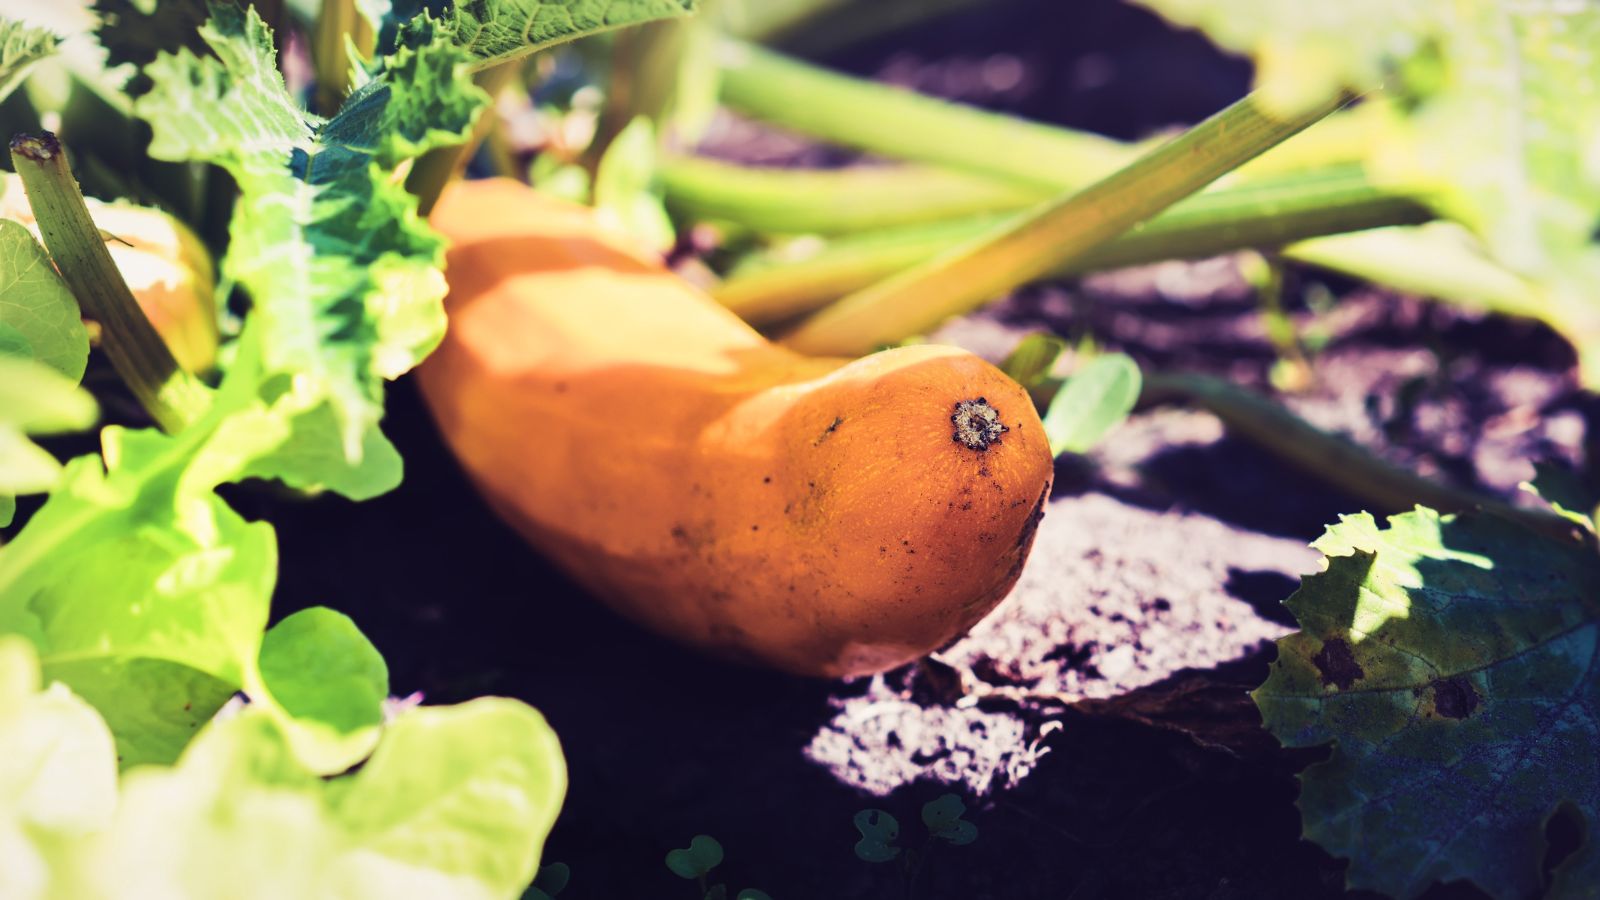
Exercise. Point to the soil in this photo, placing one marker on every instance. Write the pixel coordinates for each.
(1098, 725)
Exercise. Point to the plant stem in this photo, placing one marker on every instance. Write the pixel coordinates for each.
(1333, 459)
(856, 112)
(172, 396)
(1032, 245)
(906, 125)
(1268, 212)
(831, 201)
(435, 169)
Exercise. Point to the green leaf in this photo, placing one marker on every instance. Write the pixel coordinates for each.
(625, 192)
(190, 599)
(1567, 491)
(455, 802)
(551, 880)
(312, 459)
(1092, 402)
(466, 794)
(39, 400)
(568, 181)
(1031, 361)
(702, 855)
(879, 830)
(58, 773)
(1451, 663)
(328, 682)
(494, 31)
(34, 399)
(942, 816)
(1500, 104)
(1354, 43)
(20, 47)
(345, 280)
(39, 317)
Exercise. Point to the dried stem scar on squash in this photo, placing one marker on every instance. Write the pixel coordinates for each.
(826, 517)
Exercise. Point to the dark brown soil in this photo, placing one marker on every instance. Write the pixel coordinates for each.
(1098, 724)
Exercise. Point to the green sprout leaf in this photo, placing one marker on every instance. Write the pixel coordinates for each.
(1030, 362)
(879, 830)
(20, 47)
(39, 317)
(1450, 661)
(494, 31)
(328, 682)
(702, 855)
(550, 881)
(1094, 400)
(942, 816)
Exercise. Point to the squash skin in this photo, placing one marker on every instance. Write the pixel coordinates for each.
(814, 515)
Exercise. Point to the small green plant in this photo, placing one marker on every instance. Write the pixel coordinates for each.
(695, 862)
(880, 830)
(1080, 409)
(550, 881)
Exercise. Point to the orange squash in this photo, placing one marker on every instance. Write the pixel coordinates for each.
(826, 517)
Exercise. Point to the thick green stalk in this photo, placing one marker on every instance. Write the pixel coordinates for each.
(172, 396)
(856, 112)
(1331, 458)
(1030, 246)
(831, 201)
(898, 123)
(1263, 213)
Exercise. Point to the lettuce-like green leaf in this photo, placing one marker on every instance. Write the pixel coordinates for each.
(327, 682)
(454, 803)
(1451, 661)
(189, 585)
(34, 399)
(58, 774)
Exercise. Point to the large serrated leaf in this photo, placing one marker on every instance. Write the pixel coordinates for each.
(1502, 115)
(493, 31)
(1451, 661)
(20, 47)
(344, 277)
